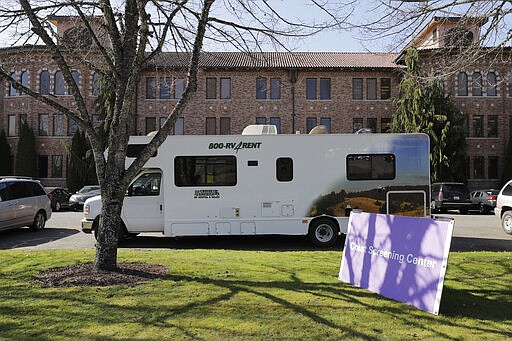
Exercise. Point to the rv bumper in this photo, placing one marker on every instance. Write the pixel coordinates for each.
(86, 225)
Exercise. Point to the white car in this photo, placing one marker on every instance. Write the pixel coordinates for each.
(503, 208)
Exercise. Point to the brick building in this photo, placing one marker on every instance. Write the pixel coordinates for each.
(294, 91)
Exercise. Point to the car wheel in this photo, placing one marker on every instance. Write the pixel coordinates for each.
(39, 221)
(58, 206)
(323, 232)
(506, 222)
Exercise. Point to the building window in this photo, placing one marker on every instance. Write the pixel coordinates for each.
(43, 124)
(195, 171)
(96, 83)
(492, 167)
(284, 169)
(491, 84)
(357, 88)
(225, 88)
(179, 126)
(72, 127)
(357, 123)
(261, 88)
(310, 123)
(59, 84)
(276, 121)
(325, 88)
(56, 166)
(24, 80)
(12, 90)
(211, 88)
(58, 124)
(44, 83)
(326, 122)
(42, 166)
(510, 85)
(478, 126)
(371, 88)
(492, 126)
(261, 120)
(150, 87)
(165, 88)
(385, 88)
(11, 130)
(385, 123)
(310, 88)
(179, 87)
(371, 123)
(225, 125)
(211, 126)
(275, 88)
(477, 84)
(478, 167)
(76, 78)
(150, 124)
(462, 84)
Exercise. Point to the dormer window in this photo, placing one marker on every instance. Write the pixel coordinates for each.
(435, 35)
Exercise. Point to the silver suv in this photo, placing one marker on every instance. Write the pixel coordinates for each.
(23, 202)
(503, 208)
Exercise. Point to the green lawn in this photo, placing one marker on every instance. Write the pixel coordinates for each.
(224, 294)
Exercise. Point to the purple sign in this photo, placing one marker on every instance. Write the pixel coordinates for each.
(403, 258)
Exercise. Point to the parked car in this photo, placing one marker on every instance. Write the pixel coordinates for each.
(503, 208)
(76, 201)
(484, 200)
(23, 202)
(59, 197)
(450, 196)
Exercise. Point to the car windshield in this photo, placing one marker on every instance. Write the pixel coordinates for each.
(457, 189)
(86, 190)
(492, 192)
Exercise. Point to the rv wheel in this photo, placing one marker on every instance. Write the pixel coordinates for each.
(323, 232)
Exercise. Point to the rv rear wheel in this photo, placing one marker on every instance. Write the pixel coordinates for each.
(323, 232)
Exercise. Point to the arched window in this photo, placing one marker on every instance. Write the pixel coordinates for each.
(491, 84)
(59, 84)
(44, 83)
(477, 84)
(95, 87)
(76, 78)
(462, 84)
(12, 90)
(24, 78)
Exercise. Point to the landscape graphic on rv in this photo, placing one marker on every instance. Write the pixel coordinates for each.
(340, 197)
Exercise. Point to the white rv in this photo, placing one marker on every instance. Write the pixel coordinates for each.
(272, 184)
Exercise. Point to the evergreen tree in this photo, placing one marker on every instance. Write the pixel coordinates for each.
(424, 108)
(81, 170)
(5, 155)
(26, 155)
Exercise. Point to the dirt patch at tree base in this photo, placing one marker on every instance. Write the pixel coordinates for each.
(84, 275)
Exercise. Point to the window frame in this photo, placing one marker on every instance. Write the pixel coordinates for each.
(373, 167)
(205, 168)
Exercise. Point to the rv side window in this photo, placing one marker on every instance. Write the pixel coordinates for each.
(205, 171)
(284, 169)
(371, 167)
(134, 150)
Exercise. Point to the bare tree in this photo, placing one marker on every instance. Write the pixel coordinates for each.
(119, 40)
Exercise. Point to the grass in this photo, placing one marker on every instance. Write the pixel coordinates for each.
(238, 295)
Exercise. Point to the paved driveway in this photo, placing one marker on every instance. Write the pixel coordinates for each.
(472, 232)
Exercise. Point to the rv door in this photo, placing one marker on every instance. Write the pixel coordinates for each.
(143, 206)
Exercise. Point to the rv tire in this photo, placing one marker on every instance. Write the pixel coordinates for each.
(323, 232)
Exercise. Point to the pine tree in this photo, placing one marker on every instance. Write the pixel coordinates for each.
(81, 170)
(424, 108)
(5, 155)
(507, 170)
(26, 154)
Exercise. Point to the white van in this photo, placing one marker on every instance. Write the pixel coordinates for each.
(272, 184)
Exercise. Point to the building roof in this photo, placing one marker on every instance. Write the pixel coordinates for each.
(283, 60)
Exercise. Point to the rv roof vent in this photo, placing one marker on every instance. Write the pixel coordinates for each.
(320, 129)
(260, 129)
(364, 131)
